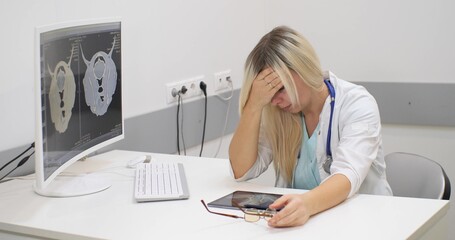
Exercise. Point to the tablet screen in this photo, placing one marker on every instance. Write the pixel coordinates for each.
(245, 199)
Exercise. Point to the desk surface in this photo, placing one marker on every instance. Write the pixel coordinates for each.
(113, 213)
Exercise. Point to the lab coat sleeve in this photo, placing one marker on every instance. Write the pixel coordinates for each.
(262, 162)
(359, 128)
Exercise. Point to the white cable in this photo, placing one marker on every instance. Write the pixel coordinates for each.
(181, 127)
(226, 119)
(232, 92)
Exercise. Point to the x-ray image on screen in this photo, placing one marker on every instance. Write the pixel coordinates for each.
(100, 80)
(78, 101)
(81, 97)
(62, 94)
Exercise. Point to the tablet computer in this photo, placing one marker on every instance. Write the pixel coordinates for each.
(245, 199)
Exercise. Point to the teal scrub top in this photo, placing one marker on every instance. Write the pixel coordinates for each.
(306, 173)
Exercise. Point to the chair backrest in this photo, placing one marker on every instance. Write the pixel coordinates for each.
(411, 175)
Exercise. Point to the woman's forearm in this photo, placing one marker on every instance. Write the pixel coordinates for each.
(243, 149)
(329, 194)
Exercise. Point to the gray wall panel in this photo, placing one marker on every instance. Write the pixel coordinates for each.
(414, 103)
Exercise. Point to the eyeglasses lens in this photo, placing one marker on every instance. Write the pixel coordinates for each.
(254, 215)
(251, 217)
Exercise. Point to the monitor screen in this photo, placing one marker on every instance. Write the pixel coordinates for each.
(78, 100)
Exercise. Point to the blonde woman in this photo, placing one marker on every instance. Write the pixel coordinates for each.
(320, 132)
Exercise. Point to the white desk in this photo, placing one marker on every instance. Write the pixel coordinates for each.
(113, 214)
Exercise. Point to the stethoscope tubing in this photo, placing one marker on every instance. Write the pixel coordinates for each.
(328, 149)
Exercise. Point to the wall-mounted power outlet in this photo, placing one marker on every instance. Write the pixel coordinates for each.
(191, 85)
(222, 80)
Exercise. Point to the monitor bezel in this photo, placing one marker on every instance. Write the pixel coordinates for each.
(41, 183)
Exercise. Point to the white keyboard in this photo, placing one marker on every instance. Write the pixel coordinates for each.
(157, 181)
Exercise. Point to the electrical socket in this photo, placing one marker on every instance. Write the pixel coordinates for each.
(222, 80)
(192, 86)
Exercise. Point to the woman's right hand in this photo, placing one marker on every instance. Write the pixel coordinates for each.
(264, 87)
(243, 149)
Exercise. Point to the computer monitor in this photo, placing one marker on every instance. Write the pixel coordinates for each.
(78, 101)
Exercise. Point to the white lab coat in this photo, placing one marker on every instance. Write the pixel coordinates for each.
(356, 141)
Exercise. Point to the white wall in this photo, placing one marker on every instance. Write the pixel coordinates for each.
(378, 41)
(163, 41)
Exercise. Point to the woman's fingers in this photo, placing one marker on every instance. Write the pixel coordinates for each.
(294, 211)
(264, 74)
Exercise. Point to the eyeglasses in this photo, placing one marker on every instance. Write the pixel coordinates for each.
(250, 214)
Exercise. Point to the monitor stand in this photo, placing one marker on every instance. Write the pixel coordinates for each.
(73, 185)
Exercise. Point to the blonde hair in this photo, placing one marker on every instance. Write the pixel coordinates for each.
(284, 50)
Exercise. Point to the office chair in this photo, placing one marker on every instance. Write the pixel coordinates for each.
(411, 175)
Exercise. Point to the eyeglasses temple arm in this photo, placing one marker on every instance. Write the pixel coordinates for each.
(222, 214)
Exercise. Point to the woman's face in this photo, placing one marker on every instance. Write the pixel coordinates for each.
(282, 100)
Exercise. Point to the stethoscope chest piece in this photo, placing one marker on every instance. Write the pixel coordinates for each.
(326, 165)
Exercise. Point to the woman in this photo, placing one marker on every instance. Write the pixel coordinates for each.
(322, 133)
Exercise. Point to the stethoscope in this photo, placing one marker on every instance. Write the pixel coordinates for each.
(328, 162)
